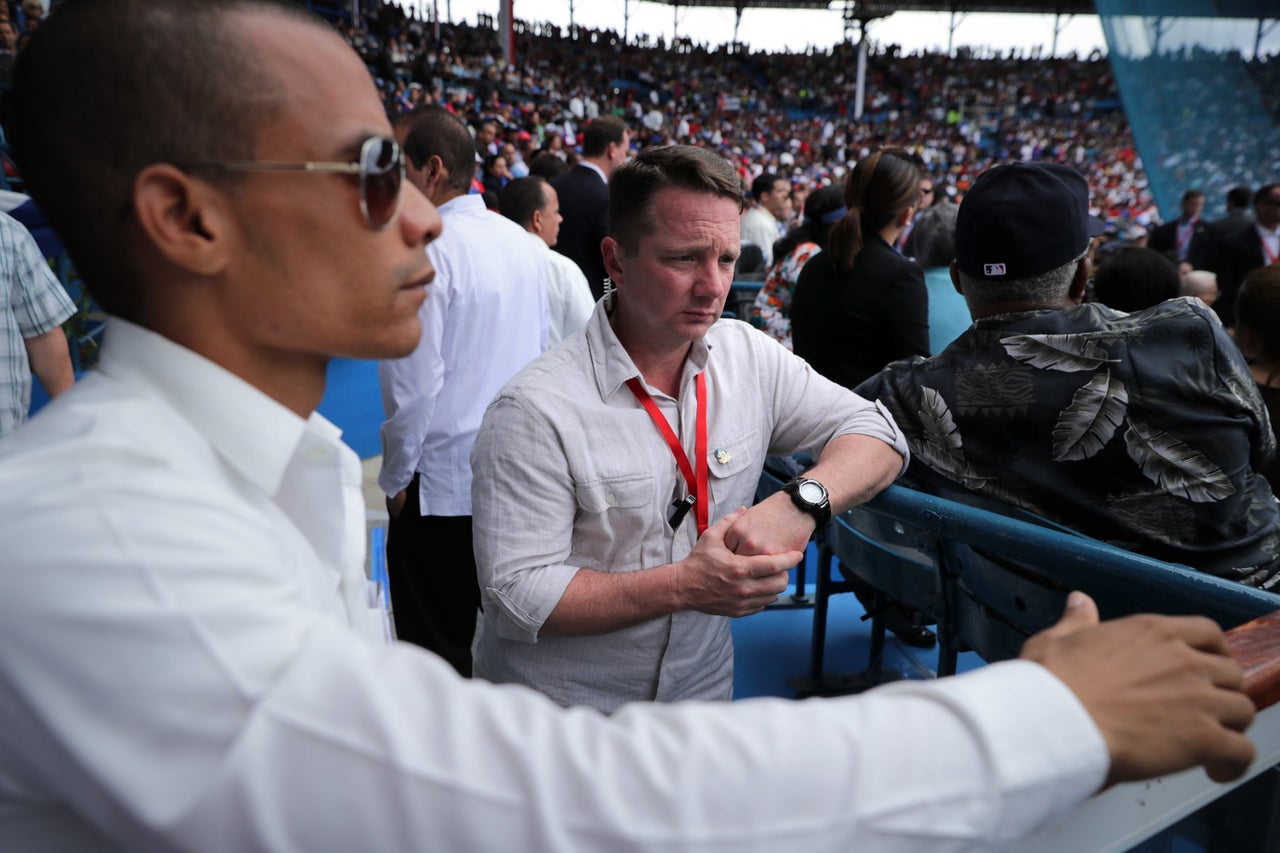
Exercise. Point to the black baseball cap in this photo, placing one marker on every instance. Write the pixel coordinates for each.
(1023, 219)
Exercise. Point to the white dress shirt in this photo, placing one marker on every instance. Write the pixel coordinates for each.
(569, 301)
(485, 317)
(571, 473)
(760, 228)
(186, 663)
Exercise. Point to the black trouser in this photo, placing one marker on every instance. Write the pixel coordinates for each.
(431, 568)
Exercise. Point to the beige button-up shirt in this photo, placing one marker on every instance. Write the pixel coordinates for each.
(570, 472)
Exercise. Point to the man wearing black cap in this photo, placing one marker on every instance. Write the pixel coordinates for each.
(1141, 429)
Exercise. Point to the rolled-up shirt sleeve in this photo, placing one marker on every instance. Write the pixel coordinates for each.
(523, 506)
(810, 410)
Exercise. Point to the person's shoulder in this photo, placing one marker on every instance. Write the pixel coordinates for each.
(559, 370)
(101, 435)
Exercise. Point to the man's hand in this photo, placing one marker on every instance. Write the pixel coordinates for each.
(395, 505)
(773, 526)
(715, 580)
(1162, 690)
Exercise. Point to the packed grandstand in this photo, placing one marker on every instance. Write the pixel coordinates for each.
(786, 113)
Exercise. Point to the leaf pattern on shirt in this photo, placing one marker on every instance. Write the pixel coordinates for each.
(1085, 426)
(1069, 353)
(1174, 466)
(941, 446)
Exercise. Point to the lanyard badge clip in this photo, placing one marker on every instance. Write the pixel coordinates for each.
(679, 509)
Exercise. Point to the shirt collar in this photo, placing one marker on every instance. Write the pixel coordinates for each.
(593, 167)
(466, 202)
(612, 364)
(253, 433)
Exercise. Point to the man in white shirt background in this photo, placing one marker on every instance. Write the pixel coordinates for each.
(197, 667)
(532, 204)
(486, 319)
(760, 225)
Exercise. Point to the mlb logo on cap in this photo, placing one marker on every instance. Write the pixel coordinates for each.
(1032, 216)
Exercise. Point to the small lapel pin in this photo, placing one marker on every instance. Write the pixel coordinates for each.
(723, 456)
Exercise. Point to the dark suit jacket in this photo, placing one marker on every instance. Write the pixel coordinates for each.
(584, 204)
(1236, 254)
(848, 326)
(1164, 238)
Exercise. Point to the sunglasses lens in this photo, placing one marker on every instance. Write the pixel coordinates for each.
(381, 174)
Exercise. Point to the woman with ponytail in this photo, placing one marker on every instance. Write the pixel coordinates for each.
(860, 304)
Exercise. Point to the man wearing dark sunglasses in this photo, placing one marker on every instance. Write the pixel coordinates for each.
(187, 656)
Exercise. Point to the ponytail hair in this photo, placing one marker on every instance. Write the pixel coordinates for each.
(881, 186)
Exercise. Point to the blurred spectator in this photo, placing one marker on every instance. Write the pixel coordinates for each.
(1187, 239)
(547, 165)
(771, 312)
(1258, 336)
(532, 204)
(1133, 278)
(31, 338)
(1252, 246)
(584, 197)
(1201, 284)
(761, 225)
(933, 246)
(1238, 214)
(496, 174)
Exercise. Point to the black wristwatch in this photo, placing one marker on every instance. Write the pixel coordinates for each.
(811, 497)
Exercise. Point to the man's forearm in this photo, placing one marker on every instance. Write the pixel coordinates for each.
(601, 602)
(855, 468)
(51, 361)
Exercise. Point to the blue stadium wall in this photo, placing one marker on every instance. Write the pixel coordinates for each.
(1200, 81)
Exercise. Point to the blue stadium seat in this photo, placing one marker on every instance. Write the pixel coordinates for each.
(1004, 576)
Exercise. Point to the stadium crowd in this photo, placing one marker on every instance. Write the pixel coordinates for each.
(783, 113)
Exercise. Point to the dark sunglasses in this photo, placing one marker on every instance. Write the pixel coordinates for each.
(380, 169)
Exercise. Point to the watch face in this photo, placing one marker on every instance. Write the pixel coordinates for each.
(811, 492)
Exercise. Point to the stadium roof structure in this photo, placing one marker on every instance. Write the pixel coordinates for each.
(1264, 9)
(884, 9)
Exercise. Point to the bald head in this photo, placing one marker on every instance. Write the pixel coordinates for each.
(1201, 284)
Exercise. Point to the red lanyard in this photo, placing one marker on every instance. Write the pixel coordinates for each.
(697, 483)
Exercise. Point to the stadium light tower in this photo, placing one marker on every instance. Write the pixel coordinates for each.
(860, 14)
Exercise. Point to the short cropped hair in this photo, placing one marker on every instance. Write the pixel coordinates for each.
(106, 88)
(1239, 196)
(547, 165)
(1047, 287)
(1258, 307)
(600, 132)
(1264, 193)
(1134, 277)
(522, 198)
(634, 184)
(763, 184)
(436, 132)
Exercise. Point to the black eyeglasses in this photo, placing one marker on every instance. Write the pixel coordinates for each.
(380, 169)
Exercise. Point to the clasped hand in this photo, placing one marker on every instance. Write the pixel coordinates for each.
(740, 564)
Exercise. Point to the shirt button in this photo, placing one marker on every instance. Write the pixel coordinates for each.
(611, 500)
